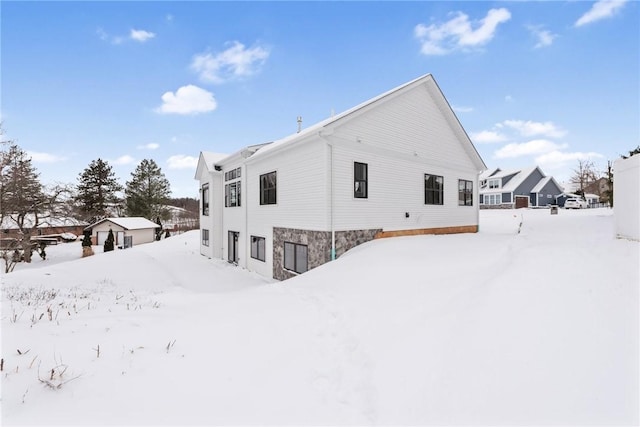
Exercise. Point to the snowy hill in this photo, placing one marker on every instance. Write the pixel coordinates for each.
(533, 320)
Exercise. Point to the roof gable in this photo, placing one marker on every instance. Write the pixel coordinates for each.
(207, 161)
(128, 223)
(543, 182)
(327, 125)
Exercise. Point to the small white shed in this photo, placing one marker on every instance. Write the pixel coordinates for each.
(626, 197)
(141, 230)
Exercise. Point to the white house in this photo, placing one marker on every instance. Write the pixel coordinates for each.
(518, 188)
(398, 164)
(136, 229)
(626, 196)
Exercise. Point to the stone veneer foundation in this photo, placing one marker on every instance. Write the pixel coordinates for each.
(318, 246)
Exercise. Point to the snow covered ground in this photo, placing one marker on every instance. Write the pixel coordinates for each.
(500, 327)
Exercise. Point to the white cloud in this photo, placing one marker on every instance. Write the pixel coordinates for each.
(150, 146)
(235, 62)
(38, 157)
(123, 160)
(188, 99)
(531, 128)
(600, 10)
(557, 160)
(136, 35)
(487, 137)
(458, 32)
(544, 37)
(533, 147)
(141, 35)
(181, 161)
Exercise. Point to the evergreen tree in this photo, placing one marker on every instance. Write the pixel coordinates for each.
(158, 228)
(97, 191)
(109, 243)
(86, 240)
(148, 192)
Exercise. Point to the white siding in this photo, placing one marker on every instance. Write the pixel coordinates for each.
(146, 235)
(411, 124)
(216, 207)
(234, 218)
(301, 196)
(396, 187)
(626, 196)
(206, 221)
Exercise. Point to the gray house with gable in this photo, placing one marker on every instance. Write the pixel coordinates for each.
(520, 188)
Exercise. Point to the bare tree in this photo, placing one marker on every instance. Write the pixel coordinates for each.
(21, 194)
(584, 175)
(24, 203)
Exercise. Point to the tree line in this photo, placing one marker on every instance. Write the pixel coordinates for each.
(25, 203)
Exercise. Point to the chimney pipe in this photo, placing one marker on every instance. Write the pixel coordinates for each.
(299, 124)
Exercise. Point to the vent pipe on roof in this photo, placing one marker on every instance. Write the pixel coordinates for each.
(299, 124)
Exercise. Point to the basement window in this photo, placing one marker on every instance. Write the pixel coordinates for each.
(295, 257)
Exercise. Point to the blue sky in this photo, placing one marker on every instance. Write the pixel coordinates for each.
(533, 83)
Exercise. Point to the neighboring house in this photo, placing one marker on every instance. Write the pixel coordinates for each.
(521, 188)
(398, 164)
(593, 200)
(127, 231)
(50, 227)
(601, 188)
(626, 191)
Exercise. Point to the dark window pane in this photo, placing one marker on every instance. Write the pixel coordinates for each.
(301, 258)
(289, 256)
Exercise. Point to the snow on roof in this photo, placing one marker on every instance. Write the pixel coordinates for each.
(544, 181)
(212, 158)
(129, 223)
(519, 178)
(9, 224)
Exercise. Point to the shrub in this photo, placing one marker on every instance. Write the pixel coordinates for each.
(109, 243)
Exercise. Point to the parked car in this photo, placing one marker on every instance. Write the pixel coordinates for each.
(575, 203)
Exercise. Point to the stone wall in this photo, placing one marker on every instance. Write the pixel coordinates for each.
(318, 246)
(502, 206)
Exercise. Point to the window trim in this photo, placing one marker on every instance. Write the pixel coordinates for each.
(237, 186)
(492, 199)
(205, 242)
(433, 191)
(265, 192)
(256, 240)
(205, 200)
(465, 192)
(296, 268)
(362, 181)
